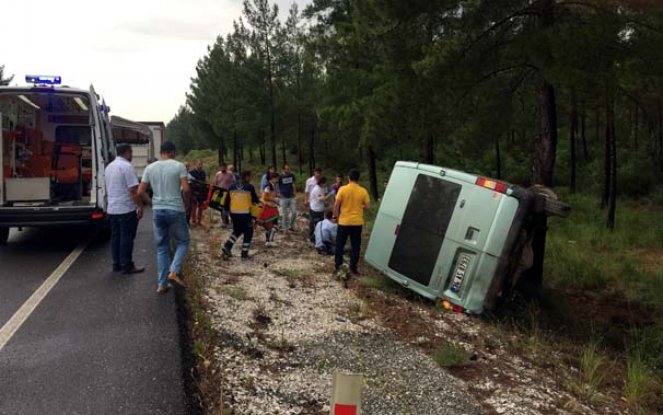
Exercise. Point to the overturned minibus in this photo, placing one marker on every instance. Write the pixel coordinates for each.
(456, 237)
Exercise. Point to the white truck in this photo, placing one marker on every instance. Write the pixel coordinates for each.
(158, 133)
(139, 136)
(55, 142)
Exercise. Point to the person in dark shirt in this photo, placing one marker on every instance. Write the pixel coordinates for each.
(198, 194)
(239, 201)
(288, 193)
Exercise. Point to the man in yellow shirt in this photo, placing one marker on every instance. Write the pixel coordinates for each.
(352, 201)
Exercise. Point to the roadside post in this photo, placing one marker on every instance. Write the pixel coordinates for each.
(346, 394)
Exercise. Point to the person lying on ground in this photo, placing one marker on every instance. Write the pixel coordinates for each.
(325, 234)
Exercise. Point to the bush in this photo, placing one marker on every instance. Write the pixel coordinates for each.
(451, 355)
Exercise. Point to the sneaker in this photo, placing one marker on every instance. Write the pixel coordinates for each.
(134, 270)
(172, 277)
(225, 253)
(164, 289)
(341, 272)
(355, 272)
(270, 244)
(245, 257)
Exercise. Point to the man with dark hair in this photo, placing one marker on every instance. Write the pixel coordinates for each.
(317, 203)
(311, 182)
(168, 179)
(288, 194)
(352, 201)
(198, 194)
(125, 209)
(239, 200)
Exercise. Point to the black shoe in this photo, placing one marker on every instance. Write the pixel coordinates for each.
(134, 270)
(355, 272)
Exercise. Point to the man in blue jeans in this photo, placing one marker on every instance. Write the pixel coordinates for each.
(288, 194)
(168, 180)
(125, 209)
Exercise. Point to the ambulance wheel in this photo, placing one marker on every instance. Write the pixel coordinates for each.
(4, 235)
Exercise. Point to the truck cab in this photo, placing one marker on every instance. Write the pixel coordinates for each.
(55, 142)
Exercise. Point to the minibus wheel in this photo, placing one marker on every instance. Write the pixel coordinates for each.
(548, 202)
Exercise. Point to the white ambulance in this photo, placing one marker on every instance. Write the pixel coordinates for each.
(55, 142)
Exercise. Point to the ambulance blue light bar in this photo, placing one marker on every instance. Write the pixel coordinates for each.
(43, 79)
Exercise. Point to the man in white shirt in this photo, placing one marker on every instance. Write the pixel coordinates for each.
(125, 209)
(325, 234)
(311, 182)
(317, 204)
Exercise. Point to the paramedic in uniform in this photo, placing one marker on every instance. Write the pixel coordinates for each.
(125, 209)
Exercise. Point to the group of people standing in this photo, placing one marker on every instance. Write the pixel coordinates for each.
(168, 181)
(336, 212)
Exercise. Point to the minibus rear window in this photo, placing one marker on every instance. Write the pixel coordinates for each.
(424, 225)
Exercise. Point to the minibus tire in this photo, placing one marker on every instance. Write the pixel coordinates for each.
(4, 235)
(557, 208)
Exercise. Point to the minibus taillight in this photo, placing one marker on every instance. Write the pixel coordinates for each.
(452, 307)
(97, 215)
(491, 184)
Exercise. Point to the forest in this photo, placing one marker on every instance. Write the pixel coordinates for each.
(559, 93)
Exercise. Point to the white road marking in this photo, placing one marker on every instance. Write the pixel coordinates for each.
(11, 327)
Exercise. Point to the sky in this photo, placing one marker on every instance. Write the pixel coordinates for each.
(140, 55)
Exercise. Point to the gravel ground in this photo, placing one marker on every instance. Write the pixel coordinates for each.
(285, 326)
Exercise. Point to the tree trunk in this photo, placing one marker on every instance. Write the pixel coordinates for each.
(240, 155)
(262, 149)
(572, 144)
(543, 173)
(300, 156)
(235, 159)
(545, 150)
(660, 130)
(372, 172)
(611, 146)
(635, 127)
(272, 110)
(498, 158)
(220, 157)
(430, 149)
(583, 135)
(283, 150)
(597, 125)
(311, 151)
(606, 159)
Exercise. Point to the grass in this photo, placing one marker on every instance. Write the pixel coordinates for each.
(581, 253)
(593, 365)
(204, 335)
(378, 283)
(238, 293)
(622, 270)
(294, 275)
(451, 355)
(642, 390)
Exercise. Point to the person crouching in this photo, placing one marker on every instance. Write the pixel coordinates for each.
(325, 234)
(241, 196)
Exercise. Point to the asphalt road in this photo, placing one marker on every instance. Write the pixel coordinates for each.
(99, 342)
